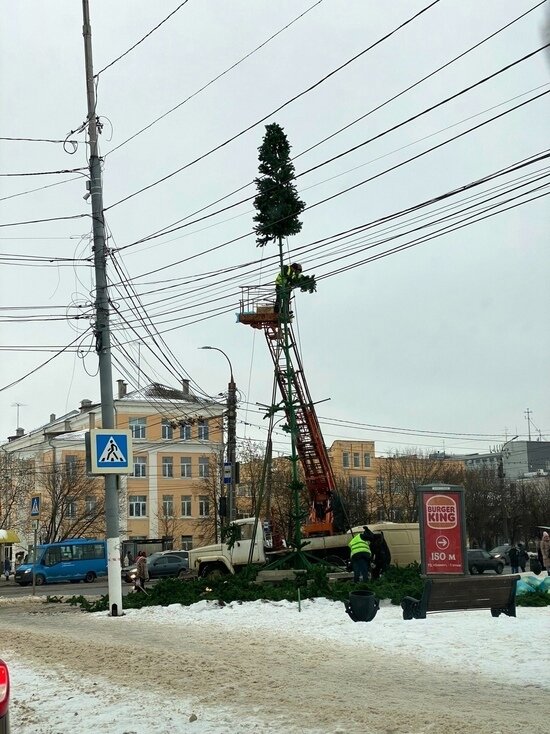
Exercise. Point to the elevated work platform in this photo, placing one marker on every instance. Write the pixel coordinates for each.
(259, 310)
(258, 307)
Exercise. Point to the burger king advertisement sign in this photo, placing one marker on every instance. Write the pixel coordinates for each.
(442, 529)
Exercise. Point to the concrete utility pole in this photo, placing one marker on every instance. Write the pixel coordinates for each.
(231, 435)
(528, 416)
(501, 475)
(102, 332)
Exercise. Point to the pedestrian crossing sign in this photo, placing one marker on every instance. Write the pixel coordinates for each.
(35, 506)
(111, 451)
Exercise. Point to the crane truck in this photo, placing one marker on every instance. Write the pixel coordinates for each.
(323, 537)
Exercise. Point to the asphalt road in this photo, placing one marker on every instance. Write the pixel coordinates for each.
(99, 587)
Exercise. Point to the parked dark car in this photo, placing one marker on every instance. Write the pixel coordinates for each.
(161, 565)
(480, 561)
(502, 552)
(4, 698)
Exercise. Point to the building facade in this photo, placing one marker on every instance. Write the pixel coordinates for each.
(171, 493)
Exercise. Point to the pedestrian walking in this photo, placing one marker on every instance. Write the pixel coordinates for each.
(7, 568)
(513, 554)
(523, 557)
(360, 555)
(545, 551)
(142, 574)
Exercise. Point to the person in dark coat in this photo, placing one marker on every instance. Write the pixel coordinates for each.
(381, 556)
(523, 557)
(513, 553)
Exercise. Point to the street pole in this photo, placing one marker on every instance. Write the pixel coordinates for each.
(231, 443)
(231, 435)
(501, 476)
(102, 332)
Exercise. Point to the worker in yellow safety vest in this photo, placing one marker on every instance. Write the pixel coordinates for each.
(287, 277)
(360, 555)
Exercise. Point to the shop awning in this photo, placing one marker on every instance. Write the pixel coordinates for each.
(9, 536)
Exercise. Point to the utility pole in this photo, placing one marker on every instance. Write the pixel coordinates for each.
(528, 415)
(102, 332)
(231, 443)
(501, 475)
(231, 436)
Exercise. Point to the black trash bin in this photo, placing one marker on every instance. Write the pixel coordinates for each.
(362, 605)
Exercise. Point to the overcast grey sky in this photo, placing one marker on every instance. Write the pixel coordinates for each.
(447, 337)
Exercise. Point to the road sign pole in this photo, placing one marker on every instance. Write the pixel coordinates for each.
(102, 331)
(34, 557)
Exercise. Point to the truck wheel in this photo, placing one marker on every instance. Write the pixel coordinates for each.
(213, 572)
(39, 579)
(90, 577)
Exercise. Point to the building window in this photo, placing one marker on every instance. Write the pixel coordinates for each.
(186, 542)
(204, 467)
(345, 459)
(167, 466)
(186, 505)
(137, 427)
(359, 484)
(71, 464)
(203, 430)
(167, 430)
(140, 466)
(70, 508)
(366, 461)
(168, 505)
(185, 431)
(356, 461)
(379, 484)
(185, 464)
(204, 506)
(91, 505)
(137, 505)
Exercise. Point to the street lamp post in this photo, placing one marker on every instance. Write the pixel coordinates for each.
(501, 475)
(231, 434)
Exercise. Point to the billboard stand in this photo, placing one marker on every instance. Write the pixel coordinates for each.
(442, 521)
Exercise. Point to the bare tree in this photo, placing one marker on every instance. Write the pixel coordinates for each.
(401, 474)
(73, 504)
(17, 479)
(209, 521)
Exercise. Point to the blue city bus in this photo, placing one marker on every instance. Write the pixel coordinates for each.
(75, 559)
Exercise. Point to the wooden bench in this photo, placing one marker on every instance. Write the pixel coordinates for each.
(459, 593)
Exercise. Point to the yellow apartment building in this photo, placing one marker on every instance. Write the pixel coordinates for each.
(177, 444)
(355, 463)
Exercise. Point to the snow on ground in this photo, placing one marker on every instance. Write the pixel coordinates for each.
(451, 640)
(58, 700)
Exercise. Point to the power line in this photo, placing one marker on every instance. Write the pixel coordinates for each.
(118, 58)
(45, 173)
(50, 219)
(40, 188)
(365, 181)
(39, 367)
(38, 140)
(384, 220)
(422, 80)
(212, 313)
(165, 231)
(279, 108)
(215, 79)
